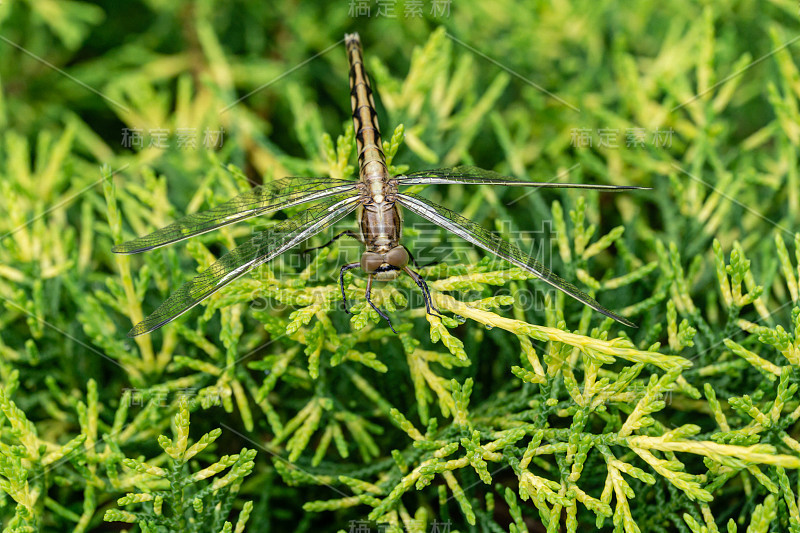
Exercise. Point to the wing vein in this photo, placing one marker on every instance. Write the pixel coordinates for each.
(261, 248)
(467, 175)
(277, 195)
(481, 237)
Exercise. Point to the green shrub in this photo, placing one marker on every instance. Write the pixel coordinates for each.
(508, 414)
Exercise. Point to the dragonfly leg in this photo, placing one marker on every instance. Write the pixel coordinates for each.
(383, 315)
(413, 260)
(426, 293)
(348, 232)
(345, 268)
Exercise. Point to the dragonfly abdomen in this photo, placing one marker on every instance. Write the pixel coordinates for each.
(371, 160)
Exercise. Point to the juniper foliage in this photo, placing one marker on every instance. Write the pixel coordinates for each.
(520, 410)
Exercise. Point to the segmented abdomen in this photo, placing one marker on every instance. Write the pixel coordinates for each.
(371, 160)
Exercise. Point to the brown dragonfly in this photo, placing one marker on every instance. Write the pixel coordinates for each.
(376, 198)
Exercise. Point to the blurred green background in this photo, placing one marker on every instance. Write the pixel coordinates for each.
(698, 100)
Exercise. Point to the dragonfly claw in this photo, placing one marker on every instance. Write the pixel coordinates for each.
(375, 307)
(344, 269)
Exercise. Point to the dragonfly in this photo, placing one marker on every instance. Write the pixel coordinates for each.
(377, 199)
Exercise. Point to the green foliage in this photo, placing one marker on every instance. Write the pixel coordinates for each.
(182, 501)
(516, 411)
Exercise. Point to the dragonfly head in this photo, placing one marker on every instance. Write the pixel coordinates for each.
(385, 266)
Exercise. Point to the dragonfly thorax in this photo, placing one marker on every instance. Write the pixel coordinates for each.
(380, 220)
(376, 189)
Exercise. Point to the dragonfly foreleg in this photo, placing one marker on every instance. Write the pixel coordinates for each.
(347, 232)
(413, 260)
(345, 268)
(369, 300)
(426, 293)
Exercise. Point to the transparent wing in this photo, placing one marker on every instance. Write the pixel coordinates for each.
(480, 176)
(263, 247)
(270, 197)
(479, 236)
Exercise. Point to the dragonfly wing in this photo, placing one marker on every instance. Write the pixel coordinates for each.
(263, 247)
(479, 176)
(481, 237)
(270, 197)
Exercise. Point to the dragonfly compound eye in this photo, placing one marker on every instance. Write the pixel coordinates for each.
(372, 261)
(397, 257)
